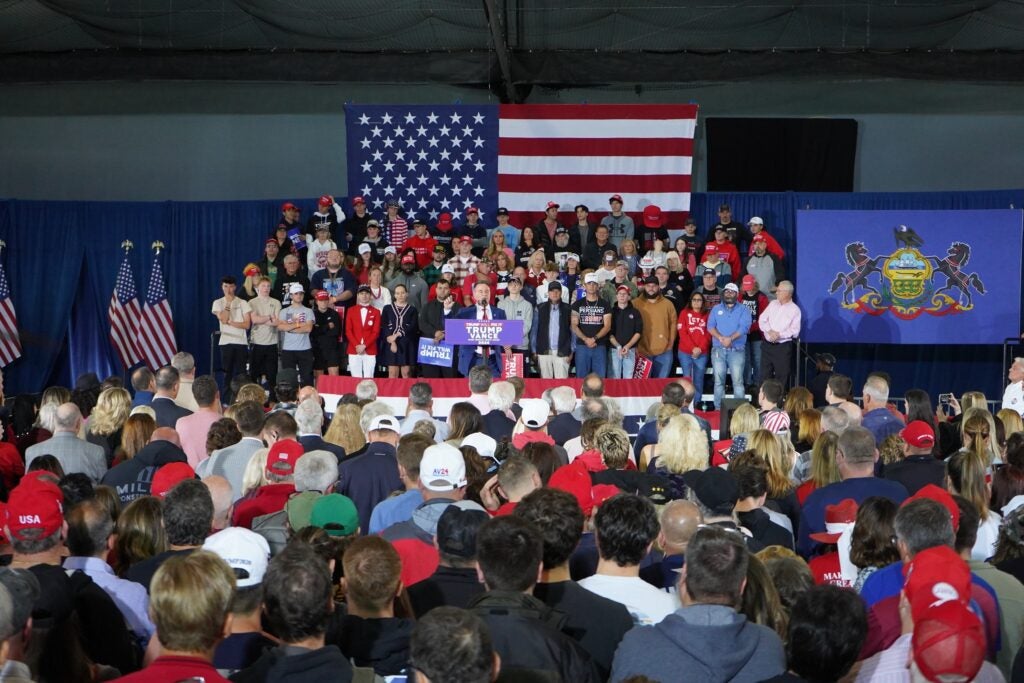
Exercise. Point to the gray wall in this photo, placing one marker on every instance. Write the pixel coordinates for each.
(210, 141)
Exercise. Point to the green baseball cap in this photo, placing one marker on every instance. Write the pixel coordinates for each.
(299, 508)
(336, 514)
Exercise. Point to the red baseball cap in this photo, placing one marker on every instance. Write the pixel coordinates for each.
(283, 456)
(169, 476)
(444, 221)
(941, 496)
(325, 200)
(271, 240)
(615, 198)
(35, 504)
(322, 295)
(358, 200)
(918, 434)
(749, 283)
(759, 237)
(472, 209)
(837, 518)
(935, 576)
(949, 643)
(252, 270)
(551, 205)
(466, 238)
(711, 248)
(652, 216)
(288, 206)
(408, 258)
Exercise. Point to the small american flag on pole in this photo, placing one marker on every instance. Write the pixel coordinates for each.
(10, 340)
(124, 312)
(155, 335)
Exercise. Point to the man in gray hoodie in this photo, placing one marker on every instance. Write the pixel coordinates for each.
(706, 639)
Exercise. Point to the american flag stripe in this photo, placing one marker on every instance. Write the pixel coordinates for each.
(582, 154)
(155, 334)
(123, 315)
(10, 341)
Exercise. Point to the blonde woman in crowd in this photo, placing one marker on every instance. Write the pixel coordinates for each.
(344, 429)
(665, 413)
(106, 422)
(682, 446)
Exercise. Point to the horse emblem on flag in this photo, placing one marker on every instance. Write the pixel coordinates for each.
(904, 282)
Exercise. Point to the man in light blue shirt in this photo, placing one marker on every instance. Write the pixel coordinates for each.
(395, 509)
(89, 539)
(728, 325)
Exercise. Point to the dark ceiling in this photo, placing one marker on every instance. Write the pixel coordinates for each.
(507, 45)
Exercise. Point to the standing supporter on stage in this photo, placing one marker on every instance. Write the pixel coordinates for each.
(336, 280)
(756, 226)
(735, 232)
(443, 233)
(552, 340)
(264, 318)
(691, 245)
(328, 213)
(728, 324)
(609, 290)
(483, 274)
(545, 229)
(375, 240)
(606, 271)
(627, 327)
(421, 243)
(235, 317)
(659, 328)
(353, 228)
(475, 230)
(726, 251)
(510, 231)
(676, 292)
(766, 268)
(780, 326)
(292, 274)
(709, 289)
(415, 286)
(324, 336)
(431, 273)
(528, 243)
(296, 321)
(380, 296)
(289, 221)
(620, 225)
(694, 340)
(712, 261)
(756, 301)
(502, 272)
(317, 248)
(464, 264)
(362, 329)
(591, 324)
(596, 248)
(518, 308)
(431, 321)
(400, 330)
(272, 261)
(582, 231)
(395, 228)
(653, 229)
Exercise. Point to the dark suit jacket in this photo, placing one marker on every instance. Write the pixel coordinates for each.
(312, 442)
(497, 425)
(564, 427)
(466, 352)
(167, 411)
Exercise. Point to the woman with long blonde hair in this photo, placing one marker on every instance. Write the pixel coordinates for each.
(824, 470)
(781, 494)
(497, 245)
(665, 413)
(966, 472)
(138, 429)
(106, 422)
(682, 446)
(990, 447)
(344, 429)
(743, 421)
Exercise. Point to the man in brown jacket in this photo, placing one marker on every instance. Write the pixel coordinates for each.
(658, 338)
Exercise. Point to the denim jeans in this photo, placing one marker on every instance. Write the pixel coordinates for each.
(753, 362)
(730, 359)
(591, 360)
(621, 367)
(694, 369)
(661, 364)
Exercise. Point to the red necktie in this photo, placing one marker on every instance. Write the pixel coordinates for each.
(486, 349)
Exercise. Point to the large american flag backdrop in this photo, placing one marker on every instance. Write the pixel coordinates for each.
(449, 157)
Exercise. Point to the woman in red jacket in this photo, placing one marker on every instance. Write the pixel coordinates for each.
(694, 340)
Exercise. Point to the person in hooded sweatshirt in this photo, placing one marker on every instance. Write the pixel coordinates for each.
(132, 478)
(371, 634)
(297, 605)
(706, 639)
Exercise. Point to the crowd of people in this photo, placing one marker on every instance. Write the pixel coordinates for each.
(166, 534)
(357, 293)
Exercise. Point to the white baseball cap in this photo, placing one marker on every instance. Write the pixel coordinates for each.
(442, 468)
(447, 268)
(756, 220)
(590, 277)
(390, 250)
(246, 552)
(483, 444)
(731, 287)
(365, 248)
(384, 422)
(535, 412)
(295, 288)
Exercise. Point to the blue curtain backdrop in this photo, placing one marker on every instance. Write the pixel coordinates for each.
(62, 258)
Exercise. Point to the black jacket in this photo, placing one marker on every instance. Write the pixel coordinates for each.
(167, 411)
(380, 643)
(326, 665)
(625, 323)
(432, 318)
(528, 636)
(497, 425)
(541, 323)
(448, 586)
(132, 478)
(764, 529)
(563, 427)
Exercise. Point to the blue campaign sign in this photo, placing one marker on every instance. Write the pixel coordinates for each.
(909, 277)
(435, 353)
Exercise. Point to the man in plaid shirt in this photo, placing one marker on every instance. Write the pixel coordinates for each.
(463, 263)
